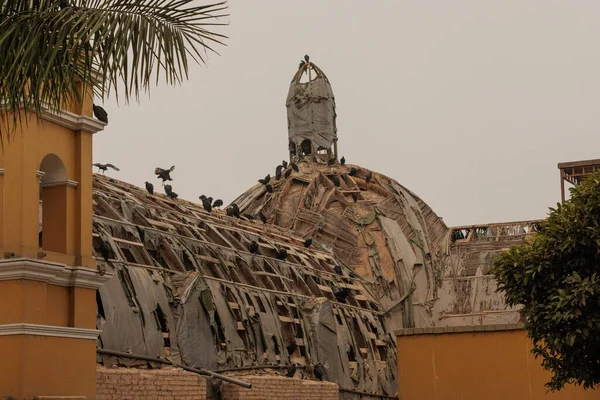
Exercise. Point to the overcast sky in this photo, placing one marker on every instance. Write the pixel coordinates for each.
(468, 103)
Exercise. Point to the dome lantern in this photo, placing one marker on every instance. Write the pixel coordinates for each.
(311, 116)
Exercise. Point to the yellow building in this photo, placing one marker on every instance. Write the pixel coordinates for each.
(48, 278)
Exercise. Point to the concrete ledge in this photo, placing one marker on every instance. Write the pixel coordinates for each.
(459, 329)
(51, 272)
(48, 330)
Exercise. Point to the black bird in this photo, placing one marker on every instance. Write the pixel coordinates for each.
(318, 371)
(104, 249)
(236, 210)
(269, 188)
(331, 161)
(306, 58)
(230, 212)
(284, 164)
(266, 180)
(262, 217)
(100, 113)
(282, 254)
(278, 172)
(217, 203)
(170, 193)
(104, 167)
(291, 348)
(337, 269)
(149, 187)
(369, 176)
(287, 173)
(301, 64)
(336, 180)
(291, 371)
(308, 242)
(210, 200)
(253, 248)
(353, 171)
(341, 294)
(295, 167)
(206, 203)
(355, 197)
(164, 174)
(343, 160)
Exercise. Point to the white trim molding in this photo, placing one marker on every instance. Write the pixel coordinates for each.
(67, 119)
(73, 121)
(68, 183)
(49, 330)
(51, 272)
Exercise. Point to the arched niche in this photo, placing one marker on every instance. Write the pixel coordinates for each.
(54, 205)
(53, 168)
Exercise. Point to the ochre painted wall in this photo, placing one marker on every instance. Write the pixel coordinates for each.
(475, 365)
(47, 366)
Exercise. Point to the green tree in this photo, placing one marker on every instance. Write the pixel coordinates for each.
(556, 277)
(47, 47)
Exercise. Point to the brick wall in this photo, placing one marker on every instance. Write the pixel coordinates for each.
(133, 384)
(280, 388)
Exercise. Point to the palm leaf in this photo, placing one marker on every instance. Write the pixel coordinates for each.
(47, 49)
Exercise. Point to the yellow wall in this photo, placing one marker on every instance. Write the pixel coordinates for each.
(474, 365)
(55, 361)
(47, 366)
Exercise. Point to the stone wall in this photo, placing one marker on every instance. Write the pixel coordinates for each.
(280, 388)
(165, 383)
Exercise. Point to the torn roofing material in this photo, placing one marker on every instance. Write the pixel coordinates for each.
(384, 232)
(187, 287)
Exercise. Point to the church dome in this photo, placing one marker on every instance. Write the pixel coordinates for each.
(374, 225)
(380, 229)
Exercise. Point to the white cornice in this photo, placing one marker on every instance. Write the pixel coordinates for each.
(68, 183)
(49, 330)
(73, 121)
(68, 119)
(50, 272)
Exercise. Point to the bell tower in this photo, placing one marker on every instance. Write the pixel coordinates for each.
(311, 115)
(48, 275)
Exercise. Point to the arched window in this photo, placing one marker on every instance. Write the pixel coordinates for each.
(53, 205)
(306, 147)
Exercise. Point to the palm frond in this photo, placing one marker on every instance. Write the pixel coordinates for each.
(50, 47)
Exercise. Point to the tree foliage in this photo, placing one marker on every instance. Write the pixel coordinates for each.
(47, 47)
(556, 277)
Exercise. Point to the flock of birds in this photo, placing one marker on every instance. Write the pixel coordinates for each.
(208, 203)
